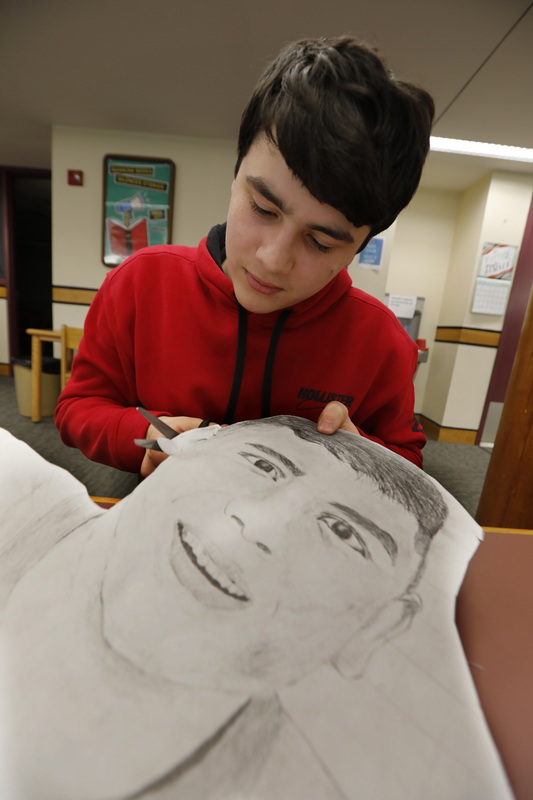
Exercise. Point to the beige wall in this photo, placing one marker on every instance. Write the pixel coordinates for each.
(419, 263)
(464, 254)
(204, 171)
(494, 209)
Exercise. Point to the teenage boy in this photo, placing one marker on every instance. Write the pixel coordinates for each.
(261, 318)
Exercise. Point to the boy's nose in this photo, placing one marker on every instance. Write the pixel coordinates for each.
(276, 253)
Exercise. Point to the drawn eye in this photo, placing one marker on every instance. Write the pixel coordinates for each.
(344, 531)
(264, 466)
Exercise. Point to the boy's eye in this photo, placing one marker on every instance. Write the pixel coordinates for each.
(266, 213)
(321, 247)
(343, 530)
(264, 466)
(261, 211)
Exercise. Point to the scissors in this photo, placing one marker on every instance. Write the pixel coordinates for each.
(162, 427)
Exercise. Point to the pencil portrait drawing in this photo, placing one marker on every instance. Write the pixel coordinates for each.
(269, 614)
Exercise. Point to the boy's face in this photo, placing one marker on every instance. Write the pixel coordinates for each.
(267, 556)
(283, 245)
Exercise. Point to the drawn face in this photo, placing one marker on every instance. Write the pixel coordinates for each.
(251, 560)
(283, 245)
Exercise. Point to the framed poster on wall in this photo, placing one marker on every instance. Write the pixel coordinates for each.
(138, 199)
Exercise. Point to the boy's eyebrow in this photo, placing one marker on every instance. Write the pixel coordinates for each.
(291, 466)
(261, 186)
(382, 536)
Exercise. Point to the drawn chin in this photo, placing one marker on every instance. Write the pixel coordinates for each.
(202, 570)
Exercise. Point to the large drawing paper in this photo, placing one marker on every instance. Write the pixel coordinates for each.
(270, 614)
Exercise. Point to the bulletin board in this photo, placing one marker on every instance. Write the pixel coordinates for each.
(494, 278)
(138, 205)
(370, 257)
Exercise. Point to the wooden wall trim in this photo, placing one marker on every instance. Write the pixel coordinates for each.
(65, 294)
(519, 531)
(475, 336)
(5, 369)
(456, 435)
(73, 295)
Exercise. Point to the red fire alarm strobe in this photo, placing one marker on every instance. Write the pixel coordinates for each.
(75, 177)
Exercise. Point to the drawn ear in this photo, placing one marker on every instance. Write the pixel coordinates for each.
(392, 620)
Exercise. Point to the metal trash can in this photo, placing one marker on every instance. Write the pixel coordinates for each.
(50, 385)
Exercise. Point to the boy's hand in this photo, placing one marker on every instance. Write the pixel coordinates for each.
(334, 417)
(152, 458)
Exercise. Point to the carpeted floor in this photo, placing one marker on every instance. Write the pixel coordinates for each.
(459, 468)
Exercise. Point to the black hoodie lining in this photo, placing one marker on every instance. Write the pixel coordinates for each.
(216, 245)
(239, 365)
(269, 363)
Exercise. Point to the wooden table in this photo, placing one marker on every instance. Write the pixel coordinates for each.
(105, 502)
(38, 336)
(494, 616)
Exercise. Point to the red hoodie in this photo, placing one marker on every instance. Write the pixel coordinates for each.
(165, 332)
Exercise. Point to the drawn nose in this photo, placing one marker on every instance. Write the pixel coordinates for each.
(252, 534)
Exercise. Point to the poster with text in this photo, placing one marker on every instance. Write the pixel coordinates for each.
(138, 197)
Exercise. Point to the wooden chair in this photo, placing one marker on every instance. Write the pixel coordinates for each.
(70, 341)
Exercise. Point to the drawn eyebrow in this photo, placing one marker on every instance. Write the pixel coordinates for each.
(291, 466)
(268, 193)
(378, 533)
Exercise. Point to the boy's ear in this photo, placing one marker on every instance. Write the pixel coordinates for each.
(392, 620)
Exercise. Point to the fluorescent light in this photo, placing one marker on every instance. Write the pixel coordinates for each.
(481, 149)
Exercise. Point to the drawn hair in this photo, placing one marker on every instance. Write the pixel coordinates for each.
(394, 476)
(355, 136)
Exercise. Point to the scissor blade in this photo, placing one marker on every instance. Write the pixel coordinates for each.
(148, 444)
(158, 423)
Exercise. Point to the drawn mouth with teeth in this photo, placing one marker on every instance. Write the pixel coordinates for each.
(205, 564)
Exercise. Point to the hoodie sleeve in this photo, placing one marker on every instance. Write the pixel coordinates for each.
(96, 411)
(386, 414)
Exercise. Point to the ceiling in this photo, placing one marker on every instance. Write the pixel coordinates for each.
(187, 68)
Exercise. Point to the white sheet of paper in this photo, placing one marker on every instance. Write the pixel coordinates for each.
(184, 643)
(403, 305)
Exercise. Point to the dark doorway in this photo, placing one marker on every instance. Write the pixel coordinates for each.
(29, 247)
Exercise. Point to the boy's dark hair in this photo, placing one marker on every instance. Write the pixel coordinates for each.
(354, 135)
